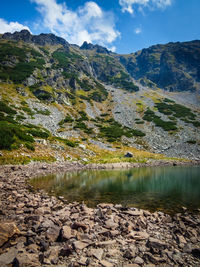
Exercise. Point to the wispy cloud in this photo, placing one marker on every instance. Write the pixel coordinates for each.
(130, 5)
(138, 30)
(11, 26)
(88, 23)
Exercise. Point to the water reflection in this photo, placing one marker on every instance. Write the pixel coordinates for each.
(153, 188)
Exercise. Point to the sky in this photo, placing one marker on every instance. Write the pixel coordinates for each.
(123, 26)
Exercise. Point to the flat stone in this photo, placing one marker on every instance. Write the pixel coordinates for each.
(110, 224)
(66, 232)
(53, 233)
(134, 212)
(83, 261)
(97, 253)
(131, 265)
(106, 243)
(105, 263)
(138, 260)
(80, 245)
(156, 243)
(26, 260)
(78, 225)
(7, 230)
(181, 239)
(138, 235)
(8, 257)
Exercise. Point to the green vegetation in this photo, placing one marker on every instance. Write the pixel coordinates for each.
(70, 143)
(177, 110)
(122, 80)
(83, 116)
(44, 50)
(115, 131)
(45, 112)
(149, 115)
(5, 108)
(62, 58)
(191, 142)
(13, 134)
(37, 133)
(30, 146)
(23, 68)
(9, 50)
(85, 85)
(169, 107)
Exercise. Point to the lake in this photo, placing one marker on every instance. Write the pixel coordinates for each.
(166, 189)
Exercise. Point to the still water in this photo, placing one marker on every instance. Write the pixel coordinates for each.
(165, 189)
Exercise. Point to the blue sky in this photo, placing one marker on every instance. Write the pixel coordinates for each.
(123, 26)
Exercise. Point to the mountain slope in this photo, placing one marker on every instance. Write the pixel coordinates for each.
(59, 101)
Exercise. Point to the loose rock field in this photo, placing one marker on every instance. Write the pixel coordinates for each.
(41, 230)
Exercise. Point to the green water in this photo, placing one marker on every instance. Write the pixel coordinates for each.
(165, 189)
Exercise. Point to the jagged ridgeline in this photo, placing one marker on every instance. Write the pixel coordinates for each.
(60, 95)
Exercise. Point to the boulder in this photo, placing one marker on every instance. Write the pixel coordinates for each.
(7, 230)
(128, 155)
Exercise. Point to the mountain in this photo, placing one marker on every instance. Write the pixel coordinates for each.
(60, 101)
(173, 67)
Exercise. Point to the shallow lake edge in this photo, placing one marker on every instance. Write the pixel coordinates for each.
(27, 208)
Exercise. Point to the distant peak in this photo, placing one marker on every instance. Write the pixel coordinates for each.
(97, 48)
(41, 39)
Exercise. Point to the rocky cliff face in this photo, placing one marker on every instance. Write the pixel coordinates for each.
(173, 67)
(59, 92)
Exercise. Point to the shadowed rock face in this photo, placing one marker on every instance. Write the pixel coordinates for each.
(42, 39)
(174, 66)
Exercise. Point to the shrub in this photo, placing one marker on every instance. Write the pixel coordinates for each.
(6, 138)
(30, 146)
(149, 115)
(37, 133)
(191, 142)
(62, 58)
(70, 143)
(5, 108)
(68, 118)
(45, 112)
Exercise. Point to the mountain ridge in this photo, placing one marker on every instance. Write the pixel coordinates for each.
(61, 96)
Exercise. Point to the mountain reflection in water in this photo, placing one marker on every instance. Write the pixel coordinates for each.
(166, 189)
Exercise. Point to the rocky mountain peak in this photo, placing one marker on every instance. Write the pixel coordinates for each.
(41, 39)
(97, 48)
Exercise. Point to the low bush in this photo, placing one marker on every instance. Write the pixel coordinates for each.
(191, 142)
(70, 143)
(37, 133)
(6, 138)
(5, 108)
(30, 146)
(149, 115)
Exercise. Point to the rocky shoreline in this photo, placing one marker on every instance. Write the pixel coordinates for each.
(41, 230)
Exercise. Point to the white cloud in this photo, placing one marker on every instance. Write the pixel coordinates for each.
(11, 26)
(88, 23)
(138, 30)
(129, 5)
